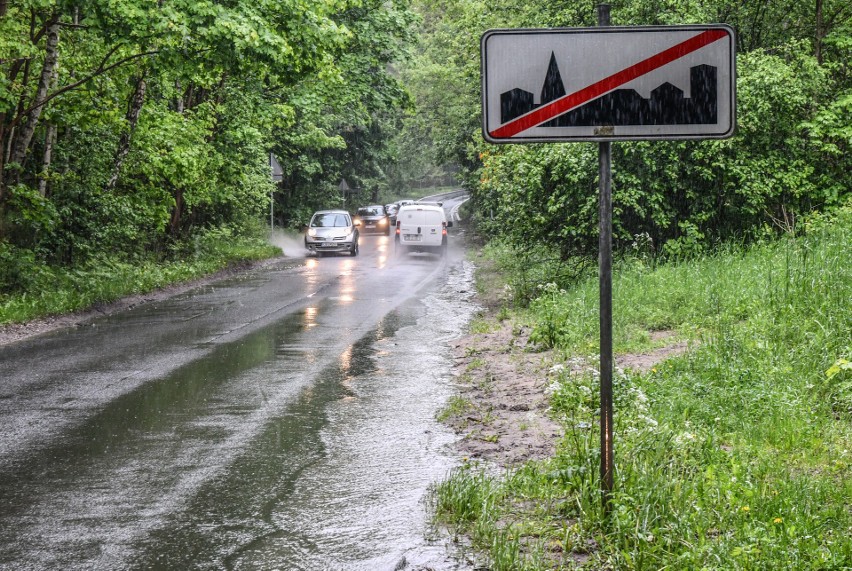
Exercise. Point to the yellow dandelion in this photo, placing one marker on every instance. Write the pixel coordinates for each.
(745, 509)
(777, 520)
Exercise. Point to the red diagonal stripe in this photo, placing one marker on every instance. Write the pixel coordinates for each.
(564, 104)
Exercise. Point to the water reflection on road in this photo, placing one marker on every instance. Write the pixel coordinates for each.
(339, 480)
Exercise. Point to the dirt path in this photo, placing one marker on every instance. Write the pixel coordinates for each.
(503, 407)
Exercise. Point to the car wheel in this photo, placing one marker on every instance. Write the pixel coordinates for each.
(354, 251)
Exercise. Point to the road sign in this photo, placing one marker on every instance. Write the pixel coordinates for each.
(608, 84)
(275, 167)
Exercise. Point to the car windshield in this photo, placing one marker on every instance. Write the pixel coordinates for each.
(371, 211)
(330, 220)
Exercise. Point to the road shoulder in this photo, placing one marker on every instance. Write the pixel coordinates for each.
(14, 332)
(501, 412)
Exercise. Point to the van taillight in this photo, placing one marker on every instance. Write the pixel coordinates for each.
(443, 228)
(397, 227)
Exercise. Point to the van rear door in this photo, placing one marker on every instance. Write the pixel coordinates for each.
(420, 227)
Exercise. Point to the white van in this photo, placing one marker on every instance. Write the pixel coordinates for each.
(421, 228)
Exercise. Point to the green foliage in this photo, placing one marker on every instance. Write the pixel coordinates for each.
(41, 290)
(530, 270)
(30, 214)
(683, 195)
(456, 406)
(344, 118)
(18, 267)
(839, 386)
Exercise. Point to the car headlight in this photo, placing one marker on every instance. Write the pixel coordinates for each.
(312, 232)
(383, 222)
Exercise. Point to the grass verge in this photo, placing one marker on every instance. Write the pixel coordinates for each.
(56, 290)
(736, 455)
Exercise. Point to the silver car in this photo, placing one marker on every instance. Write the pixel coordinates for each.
(332, 231)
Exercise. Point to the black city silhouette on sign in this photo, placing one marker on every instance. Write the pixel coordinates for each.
(666, 106)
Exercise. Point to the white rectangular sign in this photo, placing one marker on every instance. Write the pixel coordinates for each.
(608, 84)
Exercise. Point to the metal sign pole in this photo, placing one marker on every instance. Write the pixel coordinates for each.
(605, 275)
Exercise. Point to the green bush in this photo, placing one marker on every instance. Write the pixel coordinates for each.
(16, 268)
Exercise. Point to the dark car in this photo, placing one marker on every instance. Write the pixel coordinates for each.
(373, 219)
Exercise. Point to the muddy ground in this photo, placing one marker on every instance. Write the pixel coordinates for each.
(502, 412)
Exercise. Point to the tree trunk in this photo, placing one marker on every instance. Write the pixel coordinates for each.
(820, 32)
(28, 126)
(174, 223)
(49, 141)
(133, 109)
(2, 156)
(178, 99)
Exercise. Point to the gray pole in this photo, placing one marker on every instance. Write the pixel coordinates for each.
(605, 275)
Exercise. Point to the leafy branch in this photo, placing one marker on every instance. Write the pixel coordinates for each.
(100, 70)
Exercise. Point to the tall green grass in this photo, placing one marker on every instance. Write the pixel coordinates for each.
(736, 455)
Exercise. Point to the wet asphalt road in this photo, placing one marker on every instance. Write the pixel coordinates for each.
(283, 419)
